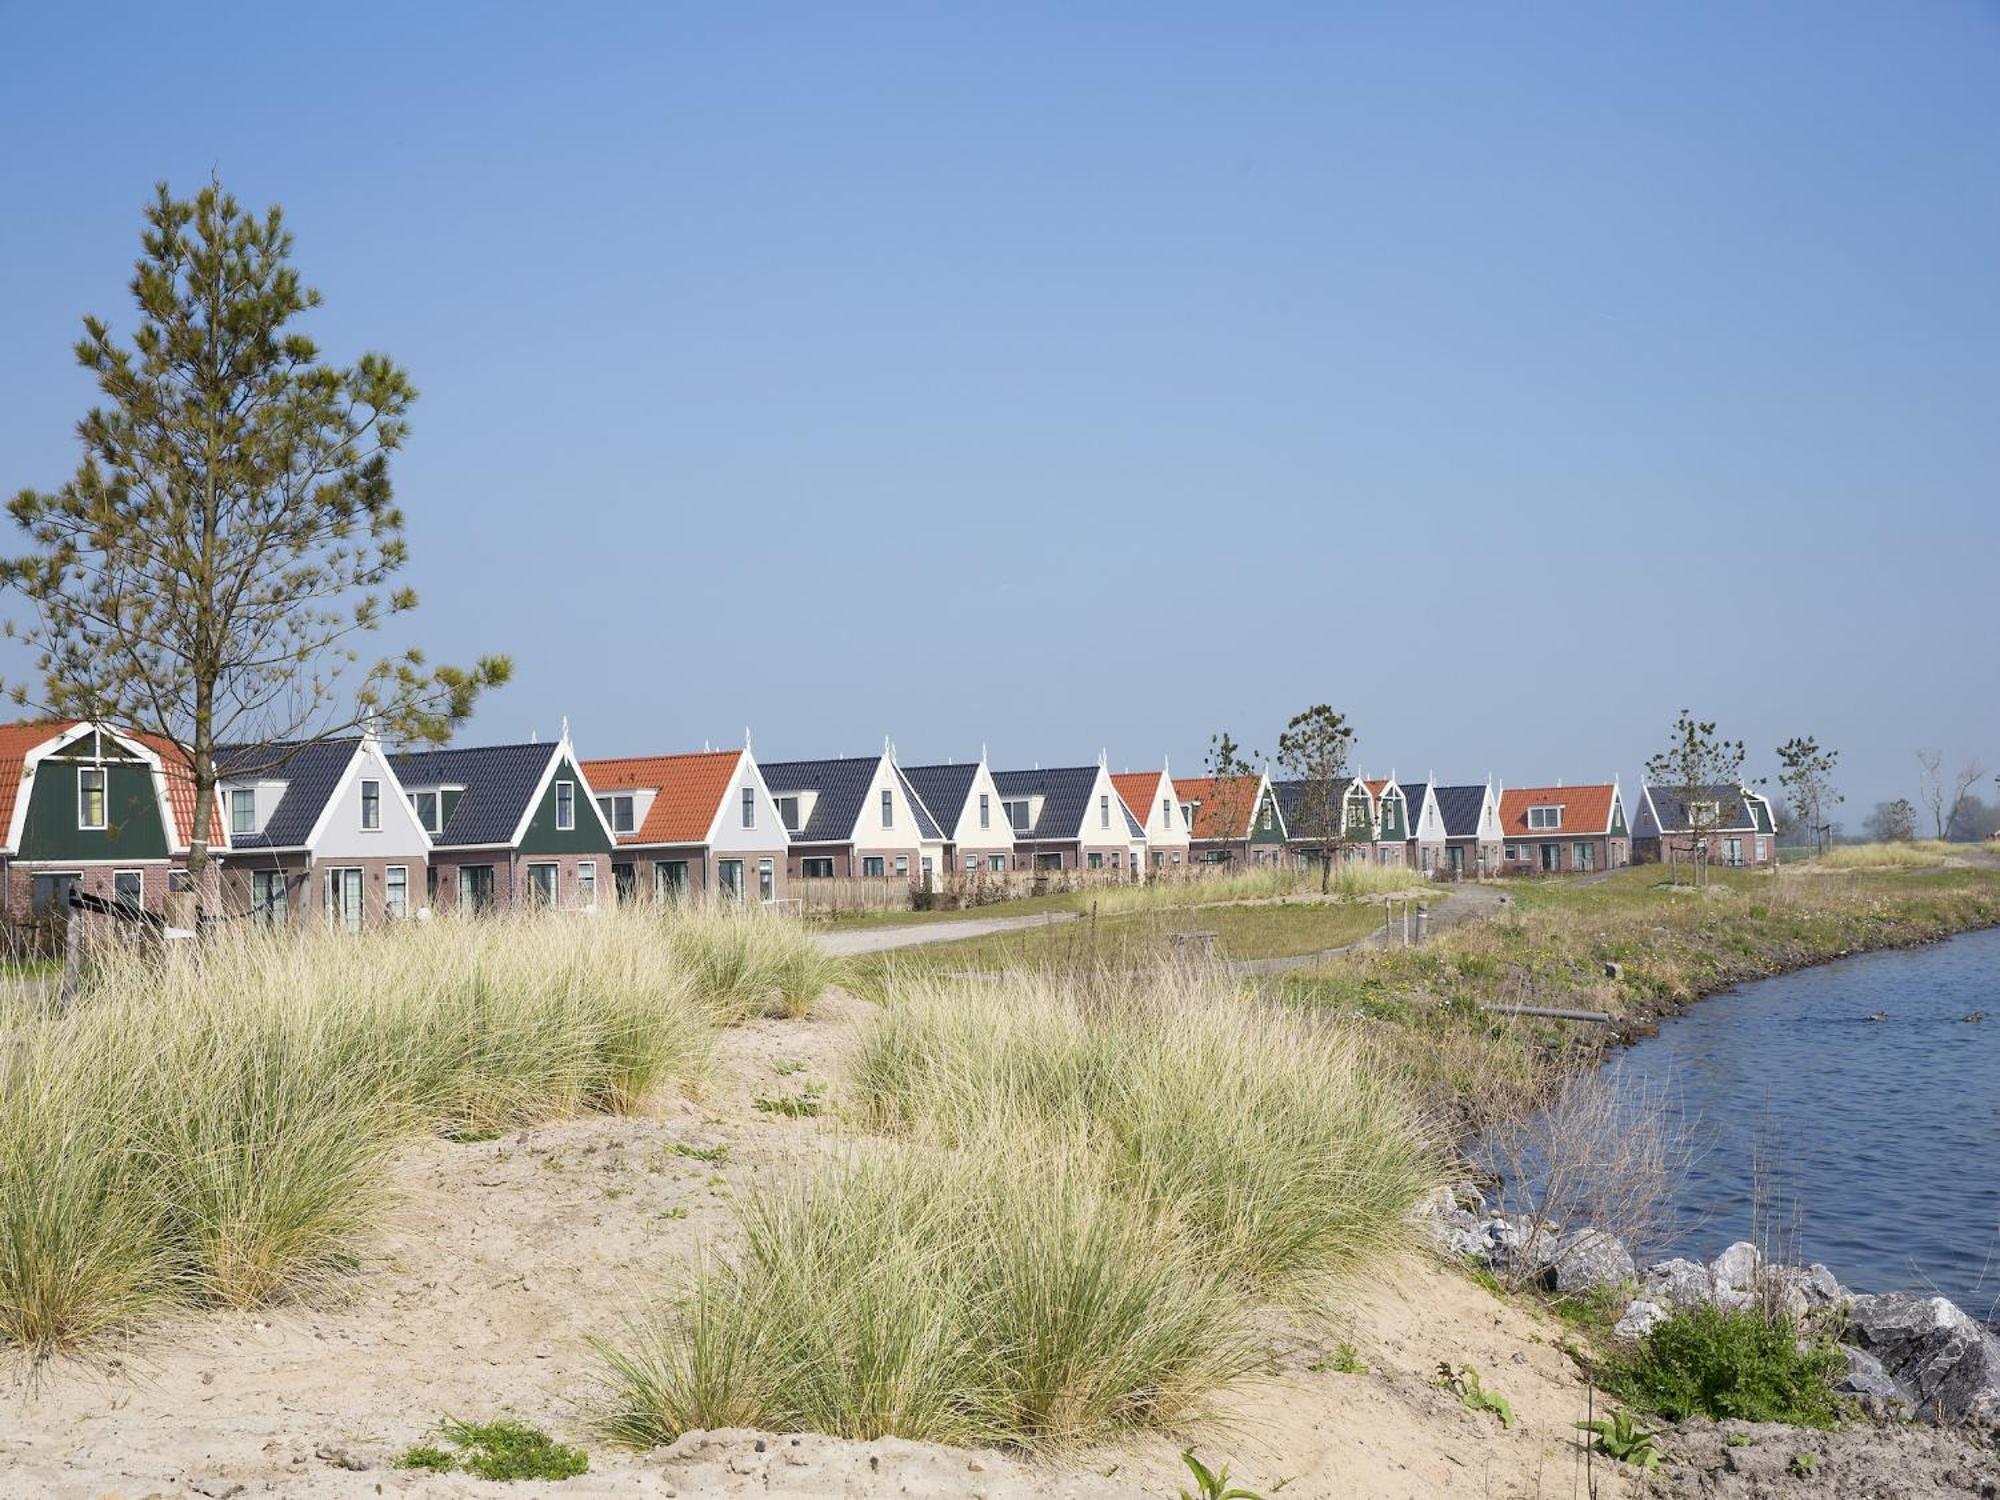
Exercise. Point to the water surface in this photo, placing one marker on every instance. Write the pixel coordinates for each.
(1887, 1131)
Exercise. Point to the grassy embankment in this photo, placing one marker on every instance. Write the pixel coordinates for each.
(219, 1132)
(1076, 1203)
(1671, 945)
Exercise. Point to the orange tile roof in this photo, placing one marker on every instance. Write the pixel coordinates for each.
(1376, 788)
(690, 788)
(16, 740)
(1227, 804)
(1137, 789)
(1586, 809)
(180, 790)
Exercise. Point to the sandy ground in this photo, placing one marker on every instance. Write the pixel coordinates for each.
(508, 1256)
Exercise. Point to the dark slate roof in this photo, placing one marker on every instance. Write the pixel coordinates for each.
(927, 825)
(842, 786)
(311, 772)
(1291, 796)
(1671, 804)
(1133, 827)
(943, 789)
(499, 782)
(1413, 804)
(1459, 806)
(1065, 791)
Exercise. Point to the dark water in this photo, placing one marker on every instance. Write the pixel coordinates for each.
(1886, 1132)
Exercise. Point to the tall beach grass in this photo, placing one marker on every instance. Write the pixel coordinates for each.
(1907, 854)
(1090, 1197)
(216, 1125)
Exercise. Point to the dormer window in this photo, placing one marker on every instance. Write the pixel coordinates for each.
(427, 808)
(371, 805)
(90, 797)
(1705, 812)
(565, 806)
(1018, 817)
(1545, 817)
(242, 810)
(617, 810)
(788, 812)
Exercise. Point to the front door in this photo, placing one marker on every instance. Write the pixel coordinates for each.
(49, 894)
(1455, 857)
(729, 877)
(1552, 858)
(343, 898)
(1582, 856)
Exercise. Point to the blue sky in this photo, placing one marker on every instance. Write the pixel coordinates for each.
(1073, 377)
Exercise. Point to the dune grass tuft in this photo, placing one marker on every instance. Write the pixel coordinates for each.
(1091, 1194)
(216, 1126)
(1908, 854)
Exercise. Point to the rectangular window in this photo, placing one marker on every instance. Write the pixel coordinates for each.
(985, 811)
(888, 808)
(624, 881)
(1177, 856)
(902, 865)
(371, 805)
(267, 897)
(426, 804)
(179, 882)
(475, 887)
(729, 877)
(767, 881)
(586, 884)
(788, 813)
(670, 878)
(1545, 817)
(872, 865)
(343, 897)
(1104, 811)
(1045, 861)
(129, 886)
(971, 864)
(565, 806)
(396, 893)
(1580, 856)
(1264, 819)
(542, 885)
(49, 894)
(818, 867)
(1167, 811)
(1513, 852)
(997, 863)
(90, 797)
(1096, 860)
(749, 807)
(617, 810)
(242, 810)
(1017, 816)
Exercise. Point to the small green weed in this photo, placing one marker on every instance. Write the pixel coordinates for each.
(715, 1153)
(1805, 1465)
(470, 1136)
(1709, 1363)
(1621, 1437)
(678, 1211)
(792, 1106)
(1345, 1360)
(426, 1456)
(1464, 1383)
(1212, 1484)
(511, 1450)
(1738, 1440)
(784, 1067)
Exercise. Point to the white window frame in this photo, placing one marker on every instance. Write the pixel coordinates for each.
(985, 811)
(723, 883)
(902, 867)
(396, 897)
(435, 822)
(1026, 820)
(1103, 809)
(816, 867)
(997, 863)
(880, 867)
(565, 794)
(586, 884)
(888, 807)
(555, 882)
(1546, 817)
(103, 799)
(749, 807)
(609, 803)
(242, 798)
(138, 875)
(789, 821)
(371, 792)
(767, 880)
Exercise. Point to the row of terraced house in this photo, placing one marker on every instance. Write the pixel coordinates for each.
(350, 830)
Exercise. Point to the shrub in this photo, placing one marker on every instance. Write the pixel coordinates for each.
(1719, 1364)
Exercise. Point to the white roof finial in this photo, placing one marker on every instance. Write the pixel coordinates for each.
(746, 736)
(1103, 756)
(565, 729)
(982, 752)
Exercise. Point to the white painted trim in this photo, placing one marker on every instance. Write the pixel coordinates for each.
(31, 761)
(392, 786)
(562, 749)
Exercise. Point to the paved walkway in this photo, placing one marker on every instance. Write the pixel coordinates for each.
(917, 934)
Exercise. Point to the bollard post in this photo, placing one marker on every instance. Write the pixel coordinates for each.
(1423, 921)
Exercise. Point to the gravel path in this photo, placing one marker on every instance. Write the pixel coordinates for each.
(917, 934)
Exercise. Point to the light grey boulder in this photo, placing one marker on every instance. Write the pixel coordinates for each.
(1822, 1287)
(1947, 1362)
(1736, 1267)
(1585, 1259)
(1677, 1283)
(1640, 1318)
(1874, 1389)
